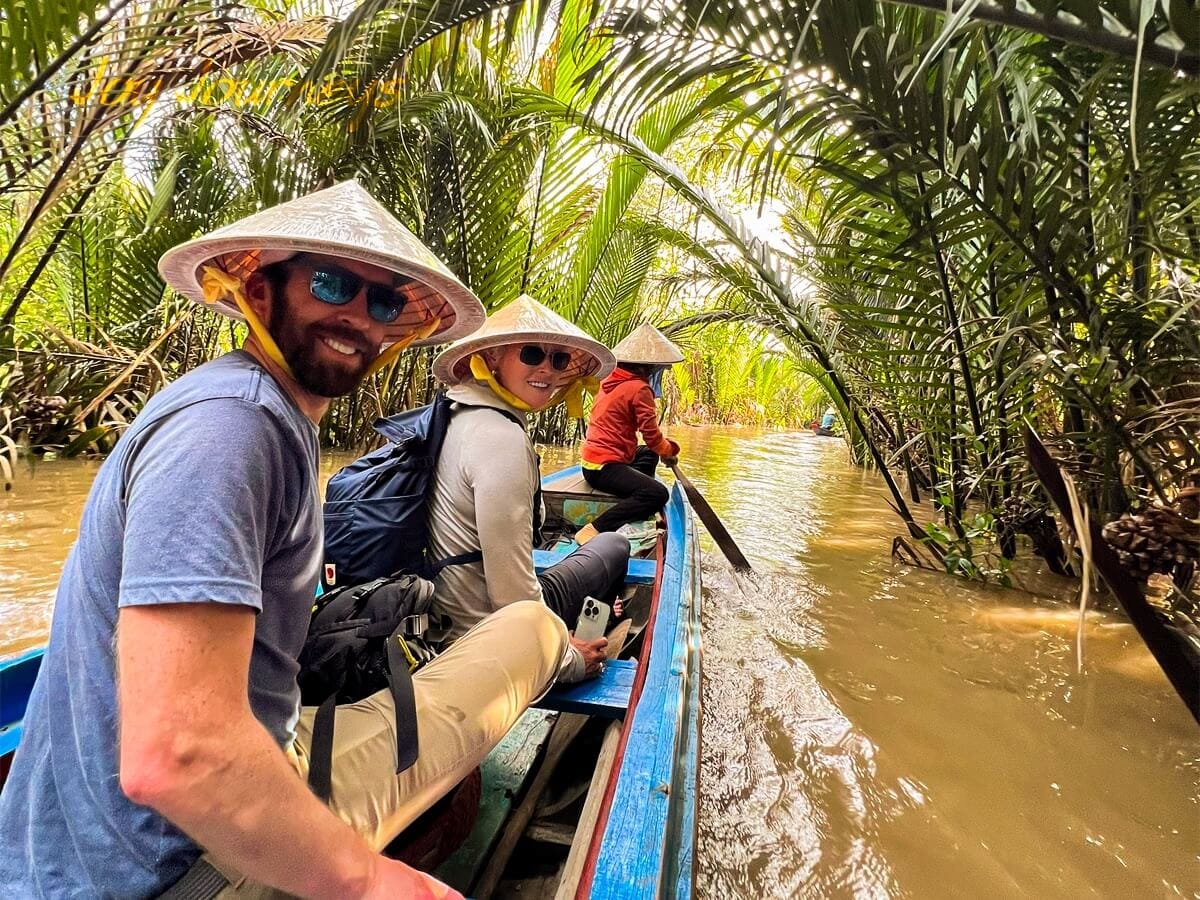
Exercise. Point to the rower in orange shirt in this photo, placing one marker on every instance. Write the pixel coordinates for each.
(613, 461)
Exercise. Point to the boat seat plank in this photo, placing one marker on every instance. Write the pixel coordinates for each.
(505, 772)
(571, 481)
(10, 738)
(640, 571)
(606, 696)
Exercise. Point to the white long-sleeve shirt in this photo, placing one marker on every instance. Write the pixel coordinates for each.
(482, 499)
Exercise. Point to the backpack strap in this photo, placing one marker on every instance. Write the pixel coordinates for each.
(477, 556)
(320, 751)
(201, 882)
(435, 568)
(405, 701)
(537, 494)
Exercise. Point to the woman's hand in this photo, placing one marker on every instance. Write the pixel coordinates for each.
(594, 654)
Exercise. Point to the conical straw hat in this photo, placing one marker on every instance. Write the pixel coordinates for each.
(647, 346)
(342, 221)
(525, 321)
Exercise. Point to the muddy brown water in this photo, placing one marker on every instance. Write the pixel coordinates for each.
(869, 730)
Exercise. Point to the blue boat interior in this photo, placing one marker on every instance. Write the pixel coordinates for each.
(544, 783)
(646, 838)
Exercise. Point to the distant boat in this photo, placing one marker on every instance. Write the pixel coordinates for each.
(593, 792)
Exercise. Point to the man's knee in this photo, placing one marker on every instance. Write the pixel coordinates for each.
(537, 621)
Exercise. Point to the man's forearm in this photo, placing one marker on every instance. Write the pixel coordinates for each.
(235, 794)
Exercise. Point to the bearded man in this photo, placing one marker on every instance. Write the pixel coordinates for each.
(166, 720)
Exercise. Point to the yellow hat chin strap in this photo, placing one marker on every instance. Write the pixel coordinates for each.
(217, 285)
(572, 393)
(482, 373)
(390, 354)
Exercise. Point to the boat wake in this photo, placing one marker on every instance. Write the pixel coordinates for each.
(790, 789)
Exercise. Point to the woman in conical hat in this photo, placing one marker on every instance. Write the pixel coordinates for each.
(524, 359)
(612, 460)
(340, 246)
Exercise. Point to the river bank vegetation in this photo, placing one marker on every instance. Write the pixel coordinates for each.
(949, 227)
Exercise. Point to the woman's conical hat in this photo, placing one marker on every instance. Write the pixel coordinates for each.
(525, 321)
(341, 221)
(647, 346)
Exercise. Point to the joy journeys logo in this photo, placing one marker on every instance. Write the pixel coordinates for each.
(212, 88)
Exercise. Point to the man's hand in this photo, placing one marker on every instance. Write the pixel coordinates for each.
(394, 879)
(594, 654)
(670, 461)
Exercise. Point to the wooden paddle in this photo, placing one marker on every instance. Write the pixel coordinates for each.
(714, 525)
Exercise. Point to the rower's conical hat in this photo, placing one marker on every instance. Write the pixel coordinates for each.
(341, 221)
(647, 346)
(525, 321)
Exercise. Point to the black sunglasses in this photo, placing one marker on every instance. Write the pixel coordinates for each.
(338, 286)
(533, 355)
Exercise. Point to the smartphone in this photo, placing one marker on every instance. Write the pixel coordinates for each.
(593, 619)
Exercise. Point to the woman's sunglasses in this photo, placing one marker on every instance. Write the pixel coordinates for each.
(337, 286)
(533, 355)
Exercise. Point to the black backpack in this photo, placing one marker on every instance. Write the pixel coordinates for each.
(376, 507)
(362, 639)
(372, 632)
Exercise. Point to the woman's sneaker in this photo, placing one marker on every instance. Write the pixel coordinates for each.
(585, 534)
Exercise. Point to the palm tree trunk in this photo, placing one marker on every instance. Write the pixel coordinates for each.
(1186, 60)
(1006, 538)
(526, 265)
(952, 321)
(31, 220)
(83, 274)
(955, 510)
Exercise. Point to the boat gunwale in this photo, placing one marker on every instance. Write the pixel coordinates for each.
(648, 806)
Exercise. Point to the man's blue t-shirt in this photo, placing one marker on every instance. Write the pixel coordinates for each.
(211, 496)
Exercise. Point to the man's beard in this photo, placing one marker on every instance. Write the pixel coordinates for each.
(298, 346)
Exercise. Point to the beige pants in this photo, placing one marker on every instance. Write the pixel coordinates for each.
(467, 700)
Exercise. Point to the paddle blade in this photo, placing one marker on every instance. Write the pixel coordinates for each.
(714, 525)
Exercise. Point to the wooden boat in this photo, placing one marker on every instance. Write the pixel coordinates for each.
(593, 791)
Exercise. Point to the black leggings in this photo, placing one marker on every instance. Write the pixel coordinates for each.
(596, 569)
(642, 494)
